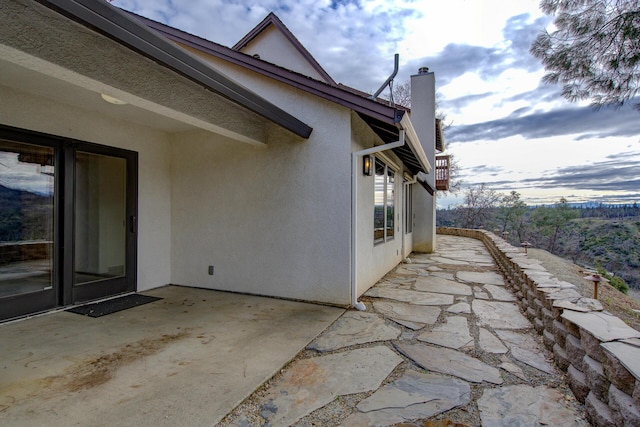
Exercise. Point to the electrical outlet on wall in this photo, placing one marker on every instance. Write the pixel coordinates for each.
(211, 270)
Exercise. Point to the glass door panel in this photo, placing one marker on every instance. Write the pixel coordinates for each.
(100, 218)
(26, 218)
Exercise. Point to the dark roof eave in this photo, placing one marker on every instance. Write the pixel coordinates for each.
(117, 25)
(348, 99)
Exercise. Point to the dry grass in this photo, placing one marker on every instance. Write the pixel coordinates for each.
(612, 300)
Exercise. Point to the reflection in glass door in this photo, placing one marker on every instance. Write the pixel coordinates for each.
(67, 221)
(100, 217)
(27, 215)
(104, 225)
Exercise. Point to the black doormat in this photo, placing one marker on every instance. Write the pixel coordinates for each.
(114, 305)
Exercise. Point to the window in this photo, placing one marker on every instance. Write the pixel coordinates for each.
(408, 208)
(390, 201)
(384, 202)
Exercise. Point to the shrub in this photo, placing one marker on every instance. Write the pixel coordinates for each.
(614, 281)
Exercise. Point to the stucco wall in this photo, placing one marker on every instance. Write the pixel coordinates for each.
(272, 221)
(44, 115)
(273, 46)
(374, 260)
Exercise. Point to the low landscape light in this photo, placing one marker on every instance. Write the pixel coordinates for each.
(596, 279)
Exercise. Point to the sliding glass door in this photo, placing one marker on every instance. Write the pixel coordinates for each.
(28, 201)
(67, 222)
(105, 223)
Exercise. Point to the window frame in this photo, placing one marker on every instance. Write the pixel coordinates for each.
(408, 209)
(385, 191)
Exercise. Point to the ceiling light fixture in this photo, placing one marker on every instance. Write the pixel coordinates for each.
(112, 100)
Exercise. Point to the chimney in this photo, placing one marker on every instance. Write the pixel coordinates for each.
(423, 112)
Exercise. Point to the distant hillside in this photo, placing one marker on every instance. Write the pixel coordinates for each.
(601, 236)
(24, 215)
(613, 244)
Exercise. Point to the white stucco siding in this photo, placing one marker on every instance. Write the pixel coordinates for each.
(274, 47)
(41, 114)
(374, 260)
(272, 221)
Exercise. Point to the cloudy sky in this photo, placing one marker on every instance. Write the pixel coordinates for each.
(509, 130)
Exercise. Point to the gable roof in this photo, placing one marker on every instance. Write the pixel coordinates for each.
(118, 25)
(384, 119)
(339, 94)
(273, 21)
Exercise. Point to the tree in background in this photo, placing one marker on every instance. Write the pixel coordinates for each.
(401, 94)
(479, 203)
(594, 51)
(511, 215)
(550, 221)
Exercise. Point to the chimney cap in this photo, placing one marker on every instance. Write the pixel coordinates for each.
(423, 70)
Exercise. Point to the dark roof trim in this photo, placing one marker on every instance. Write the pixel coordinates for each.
(339, 95)
(272, 19)
(427, 187)
(439, 136)
(117, 25)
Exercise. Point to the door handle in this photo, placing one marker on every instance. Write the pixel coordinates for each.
(132, 224)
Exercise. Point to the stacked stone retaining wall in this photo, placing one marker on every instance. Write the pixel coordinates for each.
(598, 351)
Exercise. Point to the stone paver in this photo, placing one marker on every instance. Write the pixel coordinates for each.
(513, 369)
(499, 315)
(523, 405)
(414, 297)
(407, 312)
(452, 362)
(454, 333)
(485, 278)
(603, 326)
(500, 293)
(456, 324)
(309, 384)
(415, 395)
(461, 307)
(441, 286)
(352, 328)
(526, 350)
(490, 343)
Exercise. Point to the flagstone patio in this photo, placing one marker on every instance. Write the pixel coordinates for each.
(441, 342)
(456, 349)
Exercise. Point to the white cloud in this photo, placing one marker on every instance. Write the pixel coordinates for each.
(488, 82)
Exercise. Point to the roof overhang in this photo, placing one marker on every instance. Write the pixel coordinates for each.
(347, 97)
(417, 154)
(412, 153)
(93, 46)
(439, 136)
(385, 120)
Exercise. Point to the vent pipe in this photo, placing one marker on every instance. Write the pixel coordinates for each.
(396, 62)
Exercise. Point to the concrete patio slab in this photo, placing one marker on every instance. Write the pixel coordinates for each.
(187, 359)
